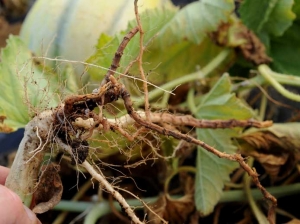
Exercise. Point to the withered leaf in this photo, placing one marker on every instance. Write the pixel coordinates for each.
(49, 189)
(3, 127)
(236, 34)
(276, 148)
(173, 210)
(180, 210)
(275, 138)
(277, 167)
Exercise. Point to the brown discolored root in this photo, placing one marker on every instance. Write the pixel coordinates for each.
(110, 90)
(118, 55)
(233, 157)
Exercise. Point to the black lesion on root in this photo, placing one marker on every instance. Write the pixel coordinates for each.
(63, 136)
(83, 108)
(80, 150)
(79, 108)
(111, 95)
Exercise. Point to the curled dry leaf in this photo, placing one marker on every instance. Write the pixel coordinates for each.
(49, 189)
(236, 34)
(180, 210)
(3, 127)
(276, 148)
(277, 167)
(173, 210)
(253, 50)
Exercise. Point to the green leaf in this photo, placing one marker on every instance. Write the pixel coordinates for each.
(273, 17)
(100, 57)
(296, 9)
(276, 24)
(181, 58)
(107, 46)
(161, 64)
(26, 87)
(281, 18)
(212, 171)
(262, 9)
(285, 51)
(195, 20)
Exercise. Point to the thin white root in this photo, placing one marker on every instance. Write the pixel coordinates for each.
(41, 142)
(109, 188)
(106, 69)
(122, 122)
(112, 191)
(41, 146)
(175, 120)
(81, 123)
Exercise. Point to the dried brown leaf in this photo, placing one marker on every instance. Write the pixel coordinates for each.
(253, 50)
(276, 148)
(49, 189)
(180, 210)
(173, 210)
(235, 34)
(3, 127)
(277, 138)
(274, 165)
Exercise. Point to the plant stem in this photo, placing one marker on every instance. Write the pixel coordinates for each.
(175, 172)
(260, 80)
(286, 79)
(191, 101)
(60, 219)
(268, 74)
(233, 185)
(263, 107)
(102, 208)
(278, 192)
(187, 78)
(98, 211)
(261, 218)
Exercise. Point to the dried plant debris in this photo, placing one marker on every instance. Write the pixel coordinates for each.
(253, 50)
(49, 189)
(4, 128)
(235, 34)
(174, 210)
(276, 148)
(180, 210)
